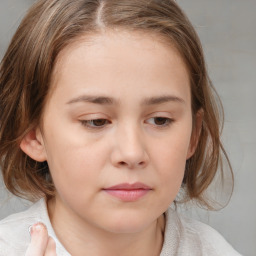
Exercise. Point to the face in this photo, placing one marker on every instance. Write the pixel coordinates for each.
(119, 113)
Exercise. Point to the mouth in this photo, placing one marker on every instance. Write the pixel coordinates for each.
(128, 192)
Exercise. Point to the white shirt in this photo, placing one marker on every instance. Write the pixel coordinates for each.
(183, 236)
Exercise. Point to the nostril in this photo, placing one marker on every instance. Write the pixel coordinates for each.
(131, 165)
(123, 163)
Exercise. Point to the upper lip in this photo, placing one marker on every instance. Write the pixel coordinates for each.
(128, 186)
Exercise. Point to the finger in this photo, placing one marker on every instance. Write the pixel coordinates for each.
(51, 248)
(39, 239)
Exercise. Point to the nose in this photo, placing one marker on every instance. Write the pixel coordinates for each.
(129, 148)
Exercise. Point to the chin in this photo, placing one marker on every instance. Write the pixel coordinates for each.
(128, 223)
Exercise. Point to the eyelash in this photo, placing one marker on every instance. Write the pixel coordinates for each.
(91, 123)
(103, 122)
(167, 121)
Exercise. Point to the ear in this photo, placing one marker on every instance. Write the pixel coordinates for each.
(32, 144)
(195, 133)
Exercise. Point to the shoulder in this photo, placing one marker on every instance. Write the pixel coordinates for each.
(195, 238)
(14, 230)
(210, 240)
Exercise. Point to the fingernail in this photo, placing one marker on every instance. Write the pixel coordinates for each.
(37, 228)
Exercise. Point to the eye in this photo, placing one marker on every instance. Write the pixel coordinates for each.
(160, 121)
(95, 123)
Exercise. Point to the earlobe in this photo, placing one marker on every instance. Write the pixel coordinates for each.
(32, 145)
(195, 133)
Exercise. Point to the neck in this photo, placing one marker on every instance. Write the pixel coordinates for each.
(80, 238)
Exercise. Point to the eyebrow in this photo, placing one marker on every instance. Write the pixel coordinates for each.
(102, 100)
(162, 99)
(93, 99)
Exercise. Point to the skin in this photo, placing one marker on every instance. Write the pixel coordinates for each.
(144, 134)
(40, 244)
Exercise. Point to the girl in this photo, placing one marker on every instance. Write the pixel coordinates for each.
(107, 113)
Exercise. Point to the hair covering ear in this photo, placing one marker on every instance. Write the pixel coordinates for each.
(197, 127)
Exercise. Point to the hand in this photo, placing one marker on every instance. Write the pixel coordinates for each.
(41, 244)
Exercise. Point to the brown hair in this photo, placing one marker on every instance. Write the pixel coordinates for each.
(26, 69)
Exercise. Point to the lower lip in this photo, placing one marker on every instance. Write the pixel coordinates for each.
(127, 195)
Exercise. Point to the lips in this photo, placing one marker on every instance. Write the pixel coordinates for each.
(128, 192)
(127, 186)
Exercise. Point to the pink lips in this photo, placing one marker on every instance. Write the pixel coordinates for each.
(128, 192)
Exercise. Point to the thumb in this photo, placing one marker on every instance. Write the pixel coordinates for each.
(39, 239)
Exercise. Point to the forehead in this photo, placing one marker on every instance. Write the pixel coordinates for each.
(119, 57)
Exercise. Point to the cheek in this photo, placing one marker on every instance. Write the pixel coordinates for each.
(74, 161)
(170, 161)
(172, 151)
(171, 165)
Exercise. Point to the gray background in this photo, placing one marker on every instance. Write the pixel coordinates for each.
(227, 29)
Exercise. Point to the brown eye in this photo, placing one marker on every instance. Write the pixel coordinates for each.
(98, 122)
(160, 121)
(95, 123)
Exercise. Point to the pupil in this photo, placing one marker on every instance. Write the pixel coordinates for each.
(99, 122)
(160, 120)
